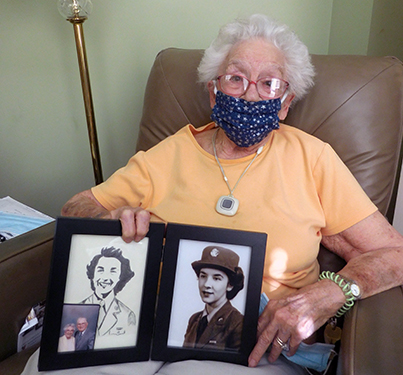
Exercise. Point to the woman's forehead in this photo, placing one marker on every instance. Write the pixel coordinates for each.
(212, 271)
(108, 261)
(257, 56)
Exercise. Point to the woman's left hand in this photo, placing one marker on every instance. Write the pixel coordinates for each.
(295, 318)
(373, 250)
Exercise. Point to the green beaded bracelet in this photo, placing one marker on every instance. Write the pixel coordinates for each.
(345, 287)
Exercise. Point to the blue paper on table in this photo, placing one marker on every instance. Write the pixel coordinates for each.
(12, 225)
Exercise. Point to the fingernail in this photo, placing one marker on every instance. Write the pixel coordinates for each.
(252, 363)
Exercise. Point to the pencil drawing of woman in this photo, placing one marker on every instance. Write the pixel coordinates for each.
(108, 273)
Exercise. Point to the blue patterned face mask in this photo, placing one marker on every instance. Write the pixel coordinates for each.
(245, 123)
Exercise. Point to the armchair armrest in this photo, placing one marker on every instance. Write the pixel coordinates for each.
(371, 340)
(24, 270)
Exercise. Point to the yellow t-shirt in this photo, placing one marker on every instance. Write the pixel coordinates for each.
(296, 190)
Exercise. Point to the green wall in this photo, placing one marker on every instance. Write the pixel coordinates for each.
(44, 150)
(386, 34)
(367, 27)
(350, 27)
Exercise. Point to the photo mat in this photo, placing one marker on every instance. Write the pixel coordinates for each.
(99, 282)
(183, 300)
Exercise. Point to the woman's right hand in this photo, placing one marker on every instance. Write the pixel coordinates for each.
(135, 220)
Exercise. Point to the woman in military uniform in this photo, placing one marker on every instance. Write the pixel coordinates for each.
(219, 324)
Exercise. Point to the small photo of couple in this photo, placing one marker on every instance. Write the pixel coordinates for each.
(78, 328)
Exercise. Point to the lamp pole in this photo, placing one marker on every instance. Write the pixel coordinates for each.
(75, 8)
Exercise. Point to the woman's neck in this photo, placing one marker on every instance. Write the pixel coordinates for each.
(226, 149)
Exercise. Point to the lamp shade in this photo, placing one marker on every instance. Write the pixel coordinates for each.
(75, 9)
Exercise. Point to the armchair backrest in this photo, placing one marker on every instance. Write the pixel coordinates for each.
(356, 106)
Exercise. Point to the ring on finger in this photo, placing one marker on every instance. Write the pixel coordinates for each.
(282, 344)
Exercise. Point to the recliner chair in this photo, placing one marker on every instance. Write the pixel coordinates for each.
(356, 106)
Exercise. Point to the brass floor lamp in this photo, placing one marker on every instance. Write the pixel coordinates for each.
(76, 12)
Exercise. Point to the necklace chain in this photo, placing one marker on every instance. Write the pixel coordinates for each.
(222, 169)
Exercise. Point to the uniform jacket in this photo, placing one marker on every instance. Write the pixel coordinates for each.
(118, 320)
(224, 330)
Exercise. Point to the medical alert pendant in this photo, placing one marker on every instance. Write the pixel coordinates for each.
(227, 205)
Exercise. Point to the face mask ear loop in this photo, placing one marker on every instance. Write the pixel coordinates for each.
(284, 97)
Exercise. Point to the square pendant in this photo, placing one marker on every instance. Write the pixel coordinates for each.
(227, 205)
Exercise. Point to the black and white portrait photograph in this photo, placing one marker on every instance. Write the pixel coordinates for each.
(209, 295)
(106, 271)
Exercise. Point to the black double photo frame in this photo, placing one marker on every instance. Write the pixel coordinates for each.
(136, 299)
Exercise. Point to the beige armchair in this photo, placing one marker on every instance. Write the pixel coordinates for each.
(356, 106)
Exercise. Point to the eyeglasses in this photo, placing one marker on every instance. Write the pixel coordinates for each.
(267, 87)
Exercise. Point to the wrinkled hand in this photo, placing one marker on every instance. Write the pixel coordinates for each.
(295, 318)
(135, 222)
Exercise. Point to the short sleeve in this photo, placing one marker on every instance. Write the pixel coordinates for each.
(343, 200)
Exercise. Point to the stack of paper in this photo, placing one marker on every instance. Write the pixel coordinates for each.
(31, 332)
(17, 218)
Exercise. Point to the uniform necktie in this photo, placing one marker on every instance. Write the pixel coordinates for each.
(201, 327)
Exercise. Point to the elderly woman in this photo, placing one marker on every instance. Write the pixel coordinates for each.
(245, 170)
(67, 342)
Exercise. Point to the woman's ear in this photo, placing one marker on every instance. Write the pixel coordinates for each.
(285, 106)
(211, 87)
(229, 287)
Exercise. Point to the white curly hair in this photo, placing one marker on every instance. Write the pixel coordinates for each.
(299, 71)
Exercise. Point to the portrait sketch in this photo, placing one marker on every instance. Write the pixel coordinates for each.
(107, 272)
(193, 296)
